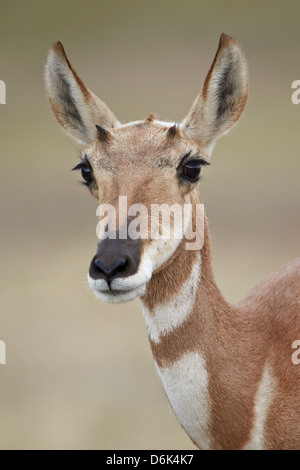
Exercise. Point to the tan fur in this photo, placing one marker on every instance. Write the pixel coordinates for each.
(250, 389)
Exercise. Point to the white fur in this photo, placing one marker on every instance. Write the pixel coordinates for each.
(142, 276)
(116, 297)
(123, 289)
(168, 315)
(156, 121)
(263, 400)
(186, 385)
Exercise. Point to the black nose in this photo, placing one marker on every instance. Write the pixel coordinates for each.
(109, 271)
(115, 258)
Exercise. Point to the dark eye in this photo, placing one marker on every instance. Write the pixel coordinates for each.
(191, 170)
(86, 172)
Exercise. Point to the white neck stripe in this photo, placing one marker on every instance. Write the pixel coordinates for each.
(169, 315)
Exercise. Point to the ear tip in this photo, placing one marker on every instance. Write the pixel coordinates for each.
(225, 37)
(225, 40)
(58, 48)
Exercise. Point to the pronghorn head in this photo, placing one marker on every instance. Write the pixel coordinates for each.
(143, 164)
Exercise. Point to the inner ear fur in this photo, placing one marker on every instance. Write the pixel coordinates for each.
(223, 96)
(75, 107)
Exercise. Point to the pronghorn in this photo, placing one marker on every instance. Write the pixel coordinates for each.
(227, 370)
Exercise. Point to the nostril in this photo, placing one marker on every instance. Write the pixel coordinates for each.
(121, 266)
(102, 267)
(111, 270)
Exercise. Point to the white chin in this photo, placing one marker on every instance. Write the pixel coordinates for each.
(119, 296)
(123, 289)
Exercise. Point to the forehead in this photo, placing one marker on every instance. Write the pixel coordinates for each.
(146, 142)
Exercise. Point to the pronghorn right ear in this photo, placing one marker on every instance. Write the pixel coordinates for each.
(223, 96)
(75, 107)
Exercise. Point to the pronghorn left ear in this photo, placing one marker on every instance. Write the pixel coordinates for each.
(223, 96)
(75, 107)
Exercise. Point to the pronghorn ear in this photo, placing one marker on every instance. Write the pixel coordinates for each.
(75, 107)
(223, 96)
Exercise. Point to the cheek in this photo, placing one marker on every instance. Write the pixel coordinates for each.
(167, 226)
(157, 252)
(106, 189)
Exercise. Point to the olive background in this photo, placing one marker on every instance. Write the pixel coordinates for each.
(79, 373)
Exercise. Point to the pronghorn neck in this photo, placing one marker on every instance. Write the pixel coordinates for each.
(179, 304)
(182, 296)
(195, 337)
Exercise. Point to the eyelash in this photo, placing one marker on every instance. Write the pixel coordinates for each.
(81, 165)
(199, 163)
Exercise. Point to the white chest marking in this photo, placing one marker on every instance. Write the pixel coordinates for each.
(169, 315)
(186, 385)
(263, 401)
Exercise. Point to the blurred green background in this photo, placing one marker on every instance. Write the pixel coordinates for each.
(79, 373)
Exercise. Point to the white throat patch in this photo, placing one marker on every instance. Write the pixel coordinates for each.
(186, 385)
(168, 315)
